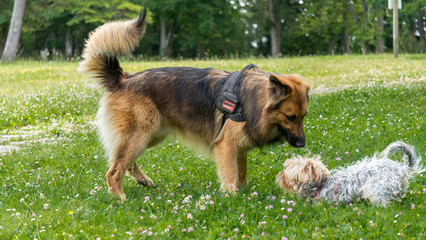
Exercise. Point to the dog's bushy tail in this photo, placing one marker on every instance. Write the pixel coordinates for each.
(413, 160)
(106, 43)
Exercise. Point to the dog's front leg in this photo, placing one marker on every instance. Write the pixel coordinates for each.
(242, 169)
(226, 155)
(230, 152)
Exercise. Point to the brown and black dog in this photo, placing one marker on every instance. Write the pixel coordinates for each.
(140, 110)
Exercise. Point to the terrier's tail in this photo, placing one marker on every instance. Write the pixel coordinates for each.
(413, 160)
(106, 43)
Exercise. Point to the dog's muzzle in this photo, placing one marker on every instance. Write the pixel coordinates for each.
(297, 142)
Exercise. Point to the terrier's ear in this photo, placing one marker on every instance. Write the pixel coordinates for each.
(280, 179)
(318, 172)
(279, 87)
(308, 169)
(284, 182)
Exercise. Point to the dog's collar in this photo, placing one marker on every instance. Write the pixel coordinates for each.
(336, 190)
(227, 100)
(317, 191)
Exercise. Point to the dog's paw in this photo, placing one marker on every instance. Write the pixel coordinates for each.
(229, 188)
(123, 197)
(146, 183)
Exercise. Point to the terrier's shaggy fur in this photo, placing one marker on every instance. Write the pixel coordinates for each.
(378, 179)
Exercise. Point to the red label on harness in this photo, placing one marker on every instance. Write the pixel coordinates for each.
(228, 105)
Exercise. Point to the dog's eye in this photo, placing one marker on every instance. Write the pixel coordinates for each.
(291, 118)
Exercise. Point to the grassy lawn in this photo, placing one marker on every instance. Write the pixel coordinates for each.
(52, 166)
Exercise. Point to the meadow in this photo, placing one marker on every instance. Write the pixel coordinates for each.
(52, 166)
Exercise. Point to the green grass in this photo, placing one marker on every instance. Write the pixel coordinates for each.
(52, 183)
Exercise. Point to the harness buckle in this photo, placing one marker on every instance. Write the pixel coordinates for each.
(228, 103)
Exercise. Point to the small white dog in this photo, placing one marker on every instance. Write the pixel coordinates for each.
(378, 178)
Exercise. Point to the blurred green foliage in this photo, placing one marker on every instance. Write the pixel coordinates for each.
(222, 28)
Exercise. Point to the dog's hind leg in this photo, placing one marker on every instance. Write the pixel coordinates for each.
(139, 176)
(134, 169)
(381, 190)
(124, 159)
(127, 132)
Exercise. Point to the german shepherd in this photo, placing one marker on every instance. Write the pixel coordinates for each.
(140, 110)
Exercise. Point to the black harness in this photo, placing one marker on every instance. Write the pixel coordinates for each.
(227, 100)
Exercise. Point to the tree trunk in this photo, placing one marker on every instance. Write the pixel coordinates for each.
(163, 38)
(352, 10)
(275, 18)
(44, 52)
(346, 48)
(364, 48)
(3, 35)
(275, 42)
(380, 41)
(331, 47)
(412, 27)
(68, 45)
(169, 42)
(170, 38)
(201, 51)
(366, 15)
(12, 42)
(52, 42)
(77, 50)
(421, 28)
(166, 38)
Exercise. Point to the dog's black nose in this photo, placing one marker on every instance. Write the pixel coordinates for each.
(300, 144)
(297, 143)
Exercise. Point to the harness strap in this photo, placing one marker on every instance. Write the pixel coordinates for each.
(227, 100)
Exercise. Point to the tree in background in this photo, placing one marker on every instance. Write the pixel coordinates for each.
(221, 28)
(12, 41)
(364, 24)
(274, 25)
(6, 8)
(166, 14)
(275, 17)
(211, 28)
(413, 17)
(89, 14)
(194, 29)
(59, 28)
(326, 23)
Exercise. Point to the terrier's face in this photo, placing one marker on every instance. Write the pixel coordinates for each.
(299, 171)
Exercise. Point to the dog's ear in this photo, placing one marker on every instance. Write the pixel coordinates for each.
(286, 183)
(316, 172)
(321, 174)
(279, 87)
(309, 171)
(307, 91)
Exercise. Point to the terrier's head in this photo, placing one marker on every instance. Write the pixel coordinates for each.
(300, 171)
